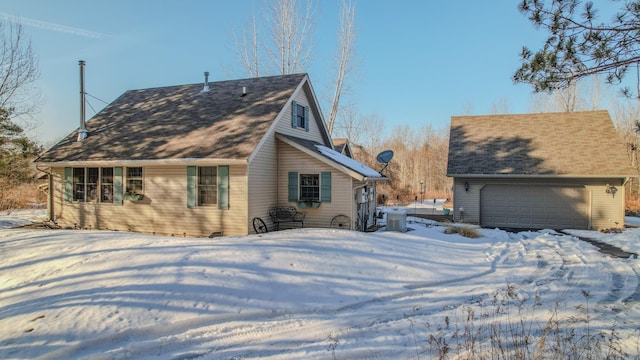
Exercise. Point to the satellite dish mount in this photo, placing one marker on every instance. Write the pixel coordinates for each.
(384, 158)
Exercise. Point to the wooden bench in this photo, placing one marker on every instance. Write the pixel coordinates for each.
(286, 214)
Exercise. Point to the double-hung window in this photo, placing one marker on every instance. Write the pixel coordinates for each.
(207, 185)
(79, 190)
(309, 187)
(299, 116)
(106, 185)
(93, 176)
(135, 183)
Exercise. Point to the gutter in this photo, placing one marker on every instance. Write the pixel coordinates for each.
(529, 176)
(383, 178)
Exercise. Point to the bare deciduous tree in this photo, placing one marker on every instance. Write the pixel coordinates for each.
(583, 95)
(500, 107)
(248, 49)
(344, 57)
(420, 155)
(626, 117)
(18, 70)
(279, 42)
(350, 125)
(290, 32)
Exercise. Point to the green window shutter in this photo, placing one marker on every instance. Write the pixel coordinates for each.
(191, 187)
(68, 184)
(325, 186)
(223, 187)
(307, 118)
(294, 113)
(117, 185)
(293, 186)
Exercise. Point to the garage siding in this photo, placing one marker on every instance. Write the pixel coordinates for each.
(607, 210)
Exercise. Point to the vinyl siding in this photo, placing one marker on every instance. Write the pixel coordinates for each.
(163, 210)
(284, 125)
(469, 200)
(341, 203)
(607, 211)
(263, 182)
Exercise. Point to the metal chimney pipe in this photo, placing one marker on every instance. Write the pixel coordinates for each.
(206, 82)
(82, 132)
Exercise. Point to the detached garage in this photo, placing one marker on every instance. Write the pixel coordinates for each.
(536, 171)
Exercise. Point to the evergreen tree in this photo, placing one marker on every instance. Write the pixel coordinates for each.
(16, 150)
(579, 45)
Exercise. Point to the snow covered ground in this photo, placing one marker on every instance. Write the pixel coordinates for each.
(307, 294)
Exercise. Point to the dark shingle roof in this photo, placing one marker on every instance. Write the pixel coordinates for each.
(181, 122)
(562, 144)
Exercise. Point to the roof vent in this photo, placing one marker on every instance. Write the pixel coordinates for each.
(206, 82)
(244, 91)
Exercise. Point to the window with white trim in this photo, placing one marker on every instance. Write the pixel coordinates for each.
(106, 185)
(309, 187)
(301, 116)
(93, 184)
(135, 180)
(79, 190)
(93, 177)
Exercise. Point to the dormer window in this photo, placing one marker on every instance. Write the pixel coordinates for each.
(299, 116)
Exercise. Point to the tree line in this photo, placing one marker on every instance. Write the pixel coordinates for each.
(564, 74)
(19, 98)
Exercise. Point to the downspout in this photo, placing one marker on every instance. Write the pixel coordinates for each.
(50, 212)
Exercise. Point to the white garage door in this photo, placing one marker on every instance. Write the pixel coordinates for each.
(534, 207)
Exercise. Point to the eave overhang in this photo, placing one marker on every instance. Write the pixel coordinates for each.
(159, 162)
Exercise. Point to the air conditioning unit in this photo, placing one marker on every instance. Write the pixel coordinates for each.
(396, 221)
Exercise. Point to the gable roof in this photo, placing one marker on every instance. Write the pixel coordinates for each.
(182, 122)
(576, 144)
(342, 146)
(332, 157)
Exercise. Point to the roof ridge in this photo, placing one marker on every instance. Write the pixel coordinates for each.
(259, 78)
(567, 113)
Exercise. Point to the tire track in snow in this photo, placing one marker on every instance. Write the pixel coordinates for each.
(266, 334)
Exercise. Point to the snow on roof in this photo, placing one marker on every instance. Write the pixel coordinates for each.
(352, 164)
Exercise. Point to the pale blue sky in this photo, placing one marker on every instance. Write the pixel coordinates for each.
(419, 61)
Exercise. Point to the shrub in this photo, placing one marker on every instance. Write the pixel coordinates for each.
(20, 196)
(466, 231)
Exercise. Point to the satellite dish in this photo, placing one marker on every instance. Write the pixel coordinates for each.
(385, 156)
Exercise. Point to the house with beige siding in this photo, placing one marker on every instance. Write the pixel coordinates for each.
(534, 171)
(204, 159)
